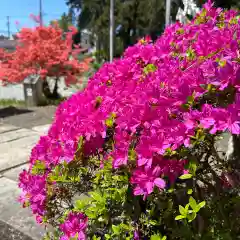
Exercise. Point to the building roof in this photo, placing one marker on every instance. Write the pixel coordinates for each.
(8, 44)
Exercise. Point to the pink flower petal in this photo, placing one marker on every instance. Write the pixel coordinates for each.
(160, 183)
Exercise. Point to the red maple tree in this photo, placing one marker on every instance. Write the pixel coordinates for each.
(45, 51)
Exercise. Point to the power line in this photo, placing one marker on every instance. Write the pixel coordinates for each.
(28, 17)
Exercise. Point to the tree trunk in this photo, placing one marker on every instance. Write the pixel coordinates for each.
(55, 93)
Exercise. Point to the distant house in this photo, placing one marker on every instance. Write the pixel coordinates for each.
(85, 38)
(2, 37)
(88, 40)
(7, 44)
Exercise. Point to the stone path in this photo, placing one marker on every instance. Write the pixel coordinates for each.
(27, 118)
(15, 147)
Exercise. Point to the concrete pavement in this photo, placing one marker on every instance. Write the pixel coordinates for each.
(15, 147)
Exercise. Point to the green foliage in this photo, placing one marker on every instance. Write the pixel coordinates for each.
(158, 237)
(38, 168)
(94, 67)
(186, 176)
(149, 69)
(190, 214)
(11, 102)
(64, 22)
(131, 15)
(104, 205)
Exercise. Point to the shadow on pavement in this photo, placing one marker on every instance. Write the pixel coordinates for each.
(11, 111)
(8, 232)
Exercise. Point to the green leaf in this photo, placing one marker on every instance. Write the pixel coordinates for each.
(191, 216)
(153, 222)
(193, 166)
(80, 142)
(186, 176)
(96, 238)
(186, 208)
(125, 226)
(179, 217)
(132, 155)
(91, 213)
(96, 196)
(79, 204)
(101, 219)
(190, 100)
(149, 68)
(190, 191)
(182, 210)
(155, 237)
(201, 204)
(193, 204)
(38, 167)
(164, 238)
(116, 229)
(109, 122)
(107, 236)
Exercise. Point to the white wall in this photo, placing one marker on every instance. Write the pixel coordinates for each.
(16, 91)
(12, 92)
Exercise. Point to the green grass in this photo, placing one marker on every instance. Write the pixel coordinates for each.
(53, 102)
(11, 102)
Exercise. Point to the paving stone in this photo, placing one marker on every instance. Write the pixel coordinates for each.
(14, 172)
(7, 128)
(16, 152)
(12, 213)
(223, 144)
(14, 135)
(7, 232)
(43, 129)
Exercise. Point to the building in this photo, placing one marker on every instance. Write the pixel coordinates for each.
(7, 44)
(88, 40)
(85, 39)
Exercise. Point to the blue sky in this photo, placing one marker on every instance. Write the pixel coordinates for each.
(19, 10)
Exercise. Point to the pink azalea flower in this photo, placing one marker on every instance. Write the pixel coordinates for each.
(149, 109)
(136, 235)
(75, 224)
(146, 179)
(39, 219)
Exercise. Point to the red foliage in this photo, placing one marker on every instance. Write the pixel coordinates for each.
(44, 51)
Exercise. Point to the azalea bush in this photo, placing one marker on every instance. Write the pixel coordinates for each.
(134, 155)
(45, 51)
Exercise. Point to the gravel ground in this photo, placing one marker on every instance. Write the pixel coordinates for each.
(27, 117)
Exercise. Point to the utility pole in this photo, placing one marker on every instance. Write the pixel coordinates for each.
(40, 13)
(168, 10)
(8, 27)
(71, 16)
(111, 31)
